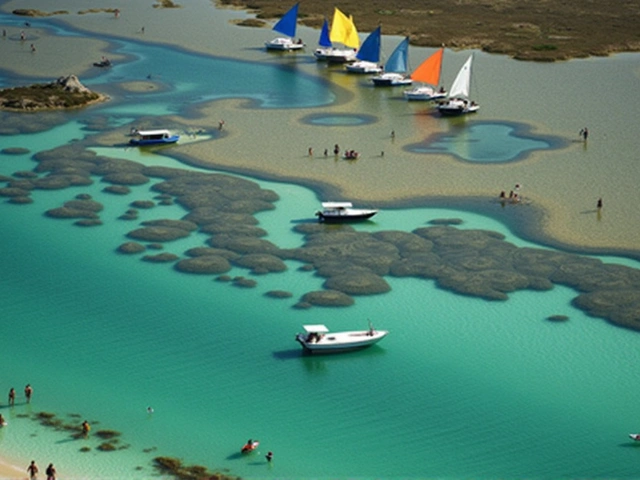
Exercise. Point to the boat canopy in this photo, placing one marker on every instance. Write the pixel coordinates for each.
(315, 329)
(337, 205)
(152, 133)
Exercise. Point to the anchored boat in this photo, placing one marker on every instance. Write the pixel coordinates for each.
(318, 339)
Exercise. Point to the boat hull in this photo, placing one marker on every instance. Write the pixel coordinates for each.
(141, 142)
(346, 218)
(391, 80)
(363, 67)
(341, 342)
(424, 94)
(457, 109)
(333, 55)
(283, 45)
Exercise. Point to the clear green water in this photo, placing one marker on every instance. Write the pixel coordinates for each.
(461, 388)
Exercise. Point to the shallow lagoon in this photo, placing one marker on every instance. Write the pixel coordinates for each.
(487, 389)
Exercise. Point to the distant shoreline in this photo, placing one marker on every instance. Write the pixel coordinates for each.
(526, 31)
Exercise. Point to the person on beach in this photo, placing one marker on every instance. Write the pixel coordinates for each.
(28, 391)
(599, 204)
(336, 149)
(86, 428)
(584, 133)
(220, 124)
(33, 48)
(12, 396)
(310, 152)
(32, 469)
(51, 472)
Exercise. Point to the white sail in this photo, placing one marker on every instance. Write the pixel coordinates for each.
(462, 83)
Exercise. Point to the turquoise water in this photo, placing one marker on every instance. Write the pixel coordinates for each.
(461, 388)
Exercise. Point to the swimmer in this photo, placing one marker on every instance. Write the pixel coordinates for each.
(149, 410)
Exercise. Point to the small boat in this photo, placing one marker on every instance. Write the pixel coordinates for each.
(318, 339)
(458, 102)
(250, 446)
(343, 212)
(396, 67)
(368, 56)
(343, 31)
(103, 63)
(287, 26)
(428, 74)
(635, 436)
(153, 137)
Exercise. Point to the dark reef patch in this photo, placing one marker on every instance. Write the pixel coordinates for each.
(471, 262)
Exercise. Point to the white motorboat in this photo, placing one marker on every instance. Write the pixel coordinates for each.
(343, 212)
(318, 339)
(153, 137)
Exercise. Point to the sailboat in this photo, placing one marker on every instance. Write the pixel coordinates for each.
(343, 31)
(459, 103)
(286, 26)
(368, 56)
(396, 67)
(427, 73)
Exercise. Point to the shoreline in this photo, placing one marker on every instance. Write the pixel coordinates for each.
(524, 225)
(10, 471)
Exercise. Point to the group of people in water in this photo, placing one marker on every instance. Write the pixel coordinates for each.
(251, 445)
(514, 195)
(348, 154)
(33, 470)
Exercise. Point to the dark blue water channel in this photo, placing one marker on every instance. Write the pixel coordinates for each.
(191, 77)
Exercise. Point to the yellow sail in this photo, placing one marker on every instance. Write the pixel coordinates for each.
(343, 30)
(429, 70)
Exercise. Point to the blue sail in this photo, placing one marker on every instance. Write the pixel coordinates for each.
(398, 61)
(324, 35)
(370, 49)
(288, 23)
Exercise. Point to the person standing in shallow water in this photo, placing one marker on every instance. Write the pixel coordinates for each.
(51, 472)
(12, 396)
(32, 469)
(28, 391)
(584, 133)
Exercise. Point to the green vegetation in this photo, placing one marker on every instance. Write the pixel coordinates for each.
(44, 97)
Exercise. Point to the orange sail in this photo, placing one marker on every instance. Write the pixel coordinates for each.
(429, 71)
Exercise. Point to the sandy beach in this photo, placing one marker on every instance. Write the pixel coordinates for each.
(10, 471)
(561, 186)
